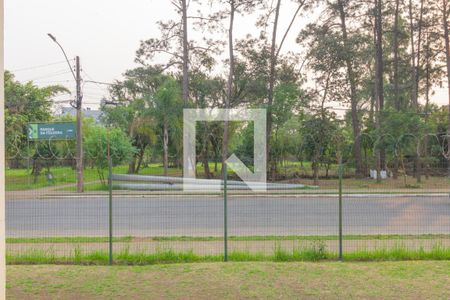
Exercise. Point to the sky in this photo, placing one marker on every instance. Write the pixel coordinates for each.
(105, 35)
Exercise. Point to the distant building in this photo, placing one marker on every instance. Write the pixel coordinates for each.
(87, 112)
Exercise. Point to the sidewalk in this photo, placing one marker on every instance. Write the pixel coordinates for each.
(35, 193)
(54, 193)
(58, 191)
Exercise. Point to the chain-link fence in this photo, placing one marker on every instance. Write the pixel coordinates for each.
(405, 206)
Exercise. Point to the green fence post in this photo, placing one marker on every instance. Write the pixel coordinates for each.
(225, 211)
(340, 210)
(110, 210)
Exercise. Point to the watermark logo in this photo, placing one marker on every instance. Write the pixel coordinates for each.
(255, 180)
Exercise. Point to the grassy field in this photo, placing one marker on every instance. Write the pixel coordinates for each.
(17, 179)
(127, 254)
(262, 280)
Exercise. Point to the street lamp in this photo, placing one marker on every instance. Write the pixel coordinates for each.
(79, 151)
(64, 52)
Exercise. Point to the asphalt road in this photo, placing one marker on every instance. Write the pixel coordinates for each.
(247, 215)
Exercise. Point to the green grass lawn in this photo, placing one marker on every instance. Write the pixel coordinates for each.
(314, 251)
(234, 280)
(17, 179)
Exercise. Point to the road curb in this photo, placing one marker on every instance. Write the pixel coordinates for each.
(381, 195)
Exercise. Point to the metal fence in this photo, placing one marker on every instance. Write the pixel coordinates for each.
(345, 215)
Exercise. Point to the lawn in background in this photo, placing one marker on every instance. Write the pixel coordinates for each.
(234, 280)
(17, 179)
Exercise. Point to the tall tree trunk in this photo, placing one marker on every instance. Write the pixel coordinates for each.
(166, 148)
(132, 165)
(379, 97)
(315, 166)
(273, 62)
(413, 57)
(397, 103)
(445, 24)
(205, 161)
(418, 161)
(274, 53)
(229, 84)
(141, 158)
(419, 51)
(427, 102)
(185, 54)
(353, 96)
(205, 152)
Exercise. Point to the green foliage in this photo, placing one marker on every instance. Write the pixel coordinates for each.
(314, 252)
(25, 103)
(321, 134)
(244, 148)
(167, 108)
(132, 112)
(96, 148)
(167, 103)
(303, 92)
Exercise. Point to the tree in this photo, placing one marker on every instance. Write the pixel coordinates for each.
(401, 134)
(25, 103)
(353, 92)
(395, 50)
(338, 57)
(184, 18)
(415, 52)
(274, 54)
(174, 40)
(445, 25)
(287, 103)
(134, 119)
(379, 90)
(208, 92)
(132, 114)
(234, 6)
(318, 131)
(167, 109)
(96, 148)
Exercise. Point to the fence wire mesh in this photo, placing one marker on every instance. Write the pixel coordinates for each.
(408, 210)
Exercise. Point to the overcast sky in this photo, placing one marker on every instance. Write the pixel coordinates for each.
(104, 33)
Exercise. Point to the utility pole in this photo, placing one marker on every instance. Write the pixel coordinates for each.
(79, 154)
(79, 151)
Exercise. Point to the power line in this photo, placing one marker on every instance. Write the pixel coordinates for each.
(40, 66)
(60, 72)
(100, 82)
(51, 81)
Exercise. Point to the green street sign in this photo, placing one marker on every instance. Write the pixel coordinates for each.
(52, 131)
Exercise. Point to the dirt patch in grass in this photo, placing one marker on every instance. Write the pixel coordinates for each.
(325, 280)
